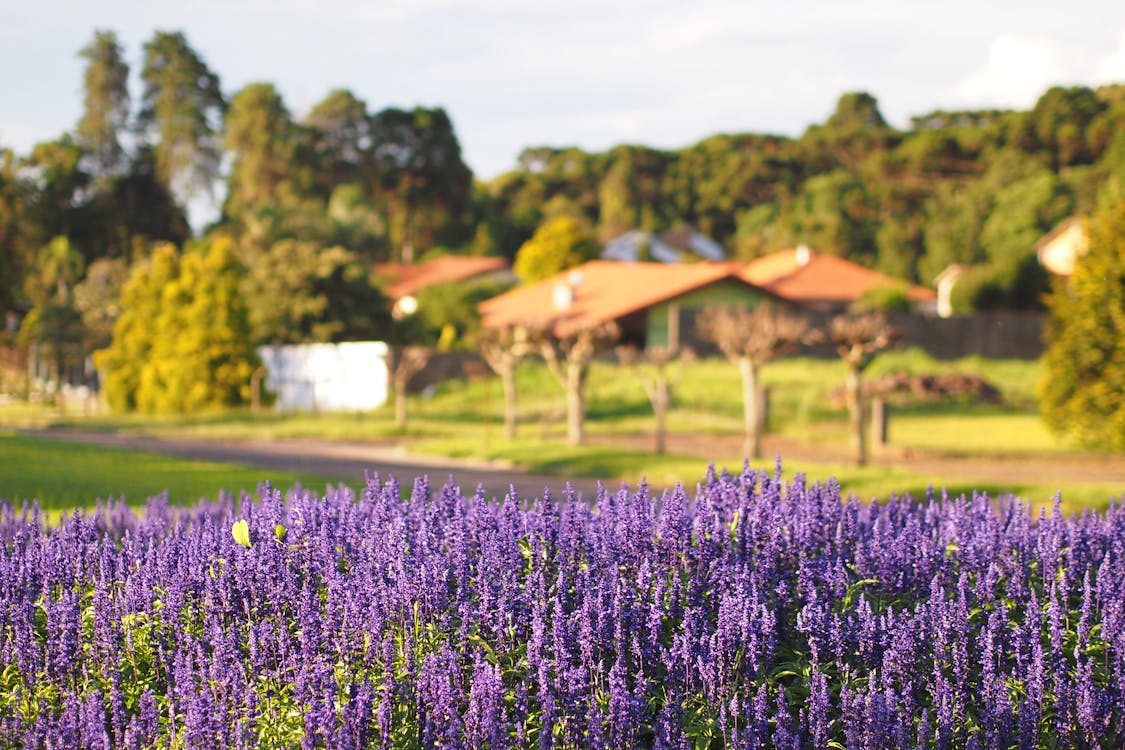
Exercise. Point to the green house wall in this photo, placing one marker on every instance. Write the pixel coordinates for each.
(719, 294)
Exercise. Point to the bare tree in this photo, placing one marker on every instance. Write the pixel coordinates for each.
(568, 357)
(502, 349)
(652, 368)
(750, 339)
(858, 339)
(403, 362)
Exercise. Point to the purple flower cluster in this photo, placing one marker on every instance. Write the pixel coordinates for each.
(760, 613)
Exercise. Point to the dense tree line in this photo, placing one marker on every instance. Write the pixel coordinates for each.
(976, 188)
(322, 195)
(307, 205)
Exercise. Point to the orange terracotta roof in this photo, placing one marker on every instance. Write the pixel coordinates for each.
(410, 278)
(603, 291)
(821, 277)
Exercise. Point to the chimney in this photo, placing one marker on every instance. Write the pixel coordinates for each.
(804, 255)
(562, 296)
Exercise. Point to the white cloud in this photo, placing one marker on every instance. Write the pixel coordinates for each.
(1111, 69)
(684, 36)
(1017, 71)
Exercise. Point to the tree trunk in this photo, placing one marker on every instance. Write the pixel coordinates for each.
(408, 237)
(256, 389)
(400, 402)
(856, 416)
(660, 403)
(762, 417)
(880, 419)
(752, 425)
(575, 404)
(508, 382)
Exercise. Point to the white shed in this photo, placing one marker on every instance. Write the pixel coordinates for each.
(349, 376)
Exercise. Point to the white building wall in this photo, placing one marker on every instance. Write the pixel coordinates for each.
(350, 376)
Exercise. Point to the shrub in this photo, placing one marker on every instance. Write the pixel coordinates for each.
(182, 342)
(1082, 394)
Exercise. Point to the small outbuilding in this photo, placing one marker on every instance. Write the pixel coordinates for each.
(1061, 248)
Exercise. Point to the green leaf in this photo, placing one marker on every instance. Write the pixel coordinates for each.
(241, 533)
(279, 533)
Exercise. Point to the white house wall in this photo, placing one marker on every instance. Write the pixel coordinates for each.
(350, 376)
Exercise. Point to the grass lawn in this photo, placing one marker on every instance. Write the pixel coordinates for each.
(462, 419)
(62, 475)
(707, 400)
(868, 482)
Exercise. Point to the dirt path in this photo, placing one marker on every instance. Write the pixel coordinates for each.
(349, 461)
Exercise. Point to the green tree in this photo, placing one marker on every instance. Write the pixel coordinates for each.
(203, 358)
(59, 267)
(951, 233)
(630, 192)
(300, 292)
(353, 221)
(1082, 394)
(55, 333)
(834, 213)
(260, 136)
(424, 183)
(105, 103)
(13, 260)
(1060, 121)
(137, 211)
(854, 132)
(448, 312)
(896, 248)
(98, 298)
(181, 113)
(557, 245)
(1024, 211)
(54, 325)
(856, 112)
(55, 187)
(341, 133)
(182, 343)
(134, 334)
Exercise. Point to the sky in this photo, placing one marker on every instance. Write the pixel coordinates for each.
(590, 73)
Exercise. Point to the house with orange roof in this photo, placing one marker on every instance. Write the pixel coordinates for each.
(407, 279)
(650, 302)
(825, 283)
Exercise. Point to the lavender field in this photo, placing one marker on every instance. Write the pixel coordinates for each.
(755, 612)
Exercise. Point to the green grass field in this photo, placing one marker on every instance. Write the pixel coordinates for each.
(707, 400)
(62, 475)
(462, 419)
